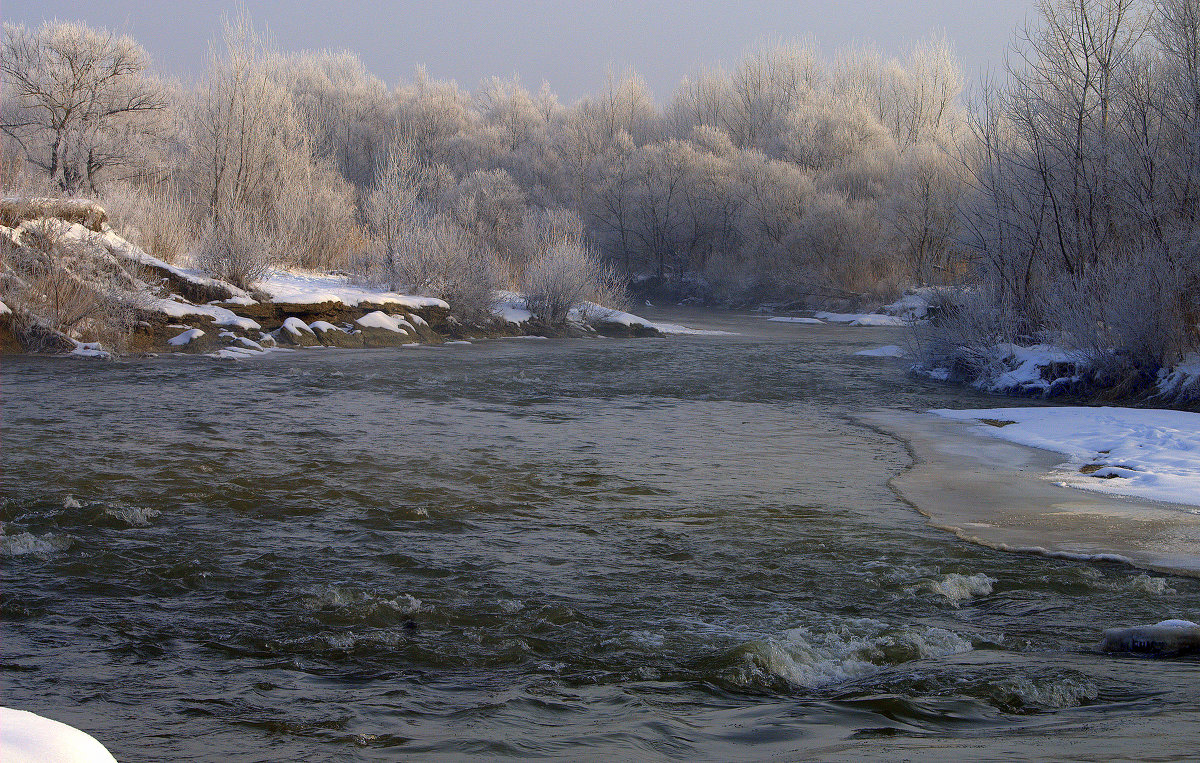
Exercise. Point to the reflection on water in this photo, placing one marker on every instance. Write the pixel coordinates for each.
(645, 548)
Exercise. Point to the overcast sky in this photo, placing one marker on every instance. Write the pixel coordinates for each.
(569, 43)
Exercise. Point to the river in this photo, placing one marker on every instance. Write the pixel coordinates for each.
(615, 549)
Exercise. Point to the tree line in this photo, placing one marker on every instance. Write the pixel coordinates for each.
(1064, 195)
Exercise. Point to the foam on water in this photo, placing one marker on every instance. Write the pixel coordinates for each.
(134, 515)
(959, 588)
(358, 603)
(1024, 694)
(24, 543)
(815, 657)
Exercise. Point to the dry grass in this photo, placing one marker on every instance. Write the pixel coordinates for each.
(90, 215)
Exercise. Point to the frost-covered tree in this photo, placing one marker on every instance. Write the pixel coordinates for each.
(80, 102)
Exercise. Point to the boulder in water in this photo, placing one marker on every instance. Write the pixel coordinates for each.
(1170, 638)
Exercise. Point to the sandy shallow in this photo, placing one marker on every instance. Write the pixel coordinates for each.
(1002, 495)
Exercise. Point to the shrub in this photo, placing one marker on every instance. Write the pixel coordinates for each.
(237, 248)
(59, 283)
(565, 275)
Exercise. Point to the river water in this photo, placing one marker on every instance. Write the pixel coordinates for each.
(612, 549)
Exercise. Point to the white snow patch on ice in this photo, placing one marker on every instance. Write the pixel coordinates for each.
(591, 312)
(186, 337)
(862, 319)
(1144, 453)
(29, 738)
(887, 351)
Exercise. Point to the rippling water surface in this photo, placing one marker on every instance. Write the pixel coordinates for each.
(580, 549)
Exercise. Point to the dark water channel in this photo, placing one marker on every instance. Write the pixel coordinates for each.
(619, 549)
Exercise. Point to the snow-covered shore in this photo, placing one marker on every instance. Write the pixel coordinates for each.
(1011, 493)
(163, 307)
(1150, 454)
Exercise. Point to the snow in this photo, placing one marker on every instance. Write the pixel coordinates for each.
(1026, 365)
(324, 326)
(120, 246)
(887, 351)
(185, 338)
(308, 288)
(220, 315)
(913, 306)
(594, 313)
(785, 319)
(862, 319)
(246, 351)
(5, 309)
(29, 738)
(89, 350)
(677, 329)
(295, 326)
(1182, 379)
(381, 320)
(509, 312)
(1143, 453)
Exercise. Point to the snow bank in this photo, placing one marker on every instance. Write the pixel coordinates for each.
(29, 738)
(1183, 381)
(913, 306)
(88, 349)
(120, 246)
(511, 307)
(591, 312)
(1011, 369)
(887, 351)
(220, 315)
(324, 326)
(296, 327)
(185, 338)
(304, 288)
(862, 319)
(1151, 454)
(381, 320)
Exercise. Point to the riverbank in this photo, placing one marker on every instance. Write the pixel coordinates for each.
(1000, 492)
(71, 285)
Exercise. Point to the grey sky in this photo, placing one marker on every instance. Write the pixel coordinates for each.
(570, 43)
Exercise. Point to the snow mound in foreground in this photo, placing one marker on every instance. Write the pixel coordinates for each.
(29, 738)
(1144, 453)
